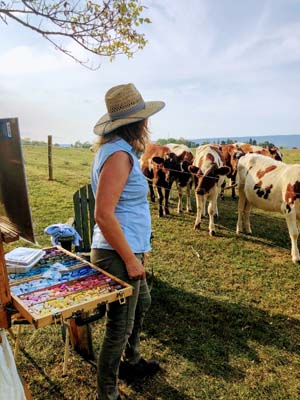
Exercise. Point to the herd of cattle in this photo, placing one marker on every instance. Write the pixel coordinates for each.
(262, 180)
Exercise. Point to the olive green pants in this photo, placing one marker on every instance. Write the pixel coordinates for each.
(123, 325)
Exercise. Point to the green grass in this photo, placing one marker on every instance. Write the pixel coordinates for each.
(224, 322)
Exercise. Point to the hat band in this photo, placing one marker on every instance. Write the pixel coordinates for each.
(124, 114)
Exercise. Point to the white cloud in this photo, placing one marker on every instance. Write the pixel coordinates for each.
(29, 60)
(222, 67)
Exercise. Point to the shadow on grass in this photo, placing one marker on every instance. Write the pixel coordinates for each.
(268, 227)
(46, 385)
(209, 333)
(166, 391)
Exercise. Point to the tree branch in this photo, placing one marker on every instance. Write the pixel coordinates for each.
(104, 28)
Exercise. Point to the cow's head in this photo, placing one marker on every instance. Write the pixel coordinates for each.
(208, 179)
(170, 166)
(161, 170)
(171, 162)
(234, 158)
(275, 153)
(236, 155)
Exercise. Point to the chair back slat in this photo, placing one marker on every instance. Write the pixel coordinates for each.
(91, 204)
(77, 217)
(84, 204)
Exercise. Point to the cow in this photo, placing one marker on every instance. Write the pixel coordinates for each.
(180, 174)
(232, 151)
(152, 165)
(269, 185)
(209, 171)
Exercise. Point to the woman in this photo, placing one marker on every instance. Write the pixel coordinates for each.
(122, 232)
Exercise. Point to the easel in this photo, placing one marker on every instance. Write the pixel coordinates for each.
(15, 217)
(5, 296)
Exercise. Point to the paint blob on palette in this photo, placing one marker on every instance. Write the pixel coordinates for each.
(61, 284)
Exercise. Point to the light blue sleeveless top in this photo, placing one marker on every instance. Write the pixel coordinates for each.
(132, 210)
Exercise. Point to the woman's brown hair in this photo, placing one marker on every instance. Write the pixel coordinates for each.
(136, 134)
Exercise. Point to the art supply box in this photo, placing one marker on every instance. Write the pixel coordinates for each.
(61, 285)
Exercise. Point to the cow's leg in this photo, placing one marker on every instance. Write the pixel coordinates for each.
(149, 176)
(152, 195)
(233, 183)
(222, 190)
(241, 208)
(167, 194)
(247, 210)
(212, 209)
(216, 212)
(179, 206)
(199, 202)
(293, 232)
(203, 210)
(160, 201)
(188, 197)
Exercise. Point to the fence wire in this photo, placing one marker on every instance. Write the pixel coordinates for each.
(67, 164)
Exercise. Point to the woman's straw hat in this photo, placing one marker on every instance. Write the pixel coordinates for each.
(125, 105)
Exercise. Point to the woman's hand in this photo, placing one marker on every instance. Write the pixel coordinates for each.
(136, 270)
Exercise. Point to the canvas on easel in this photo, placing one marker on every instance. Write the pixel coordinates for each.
(15, 214)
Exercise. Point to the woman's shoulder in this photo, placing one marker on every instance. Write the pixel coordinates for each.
(117, 143)
(111, 147)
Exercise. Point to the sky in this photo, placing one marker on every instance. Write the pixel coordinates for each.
(224, 68)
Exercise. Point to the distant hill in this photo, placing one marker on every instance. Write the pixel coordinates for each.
(285, 141)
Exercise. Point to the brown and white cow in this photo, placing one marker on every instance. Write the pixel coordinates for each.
(180, 174)
(231, 152)
(269, 185)
(152, 165)
(209, 170)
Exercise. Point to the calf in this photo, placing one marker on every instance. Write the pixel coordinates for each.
(209, 170)
(269, 185)
(152, 165)
(230, 151)
(182, 159)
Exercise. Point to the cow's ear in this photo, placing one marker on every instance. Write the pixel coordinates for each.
(173, 156)
(223, 170)
(238, 154)
(193, 169)
(158, 160)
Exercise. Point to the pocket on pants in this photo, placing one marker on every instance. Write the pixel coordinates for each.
(110, 262)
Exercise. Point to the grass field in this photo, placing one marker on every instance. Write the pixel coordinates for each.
(224, 322)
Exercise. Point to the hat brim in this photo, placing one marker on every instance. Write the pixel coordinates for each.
(105, 125)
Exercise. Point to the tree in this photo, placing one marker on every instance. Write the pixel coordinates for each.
(78, 143)
(266, 144)
(105, 28)
(30, 142)
(178, 141)
(86, 145)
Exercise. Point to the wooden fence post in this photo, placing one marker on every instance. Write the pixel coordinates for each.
(50, 169)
